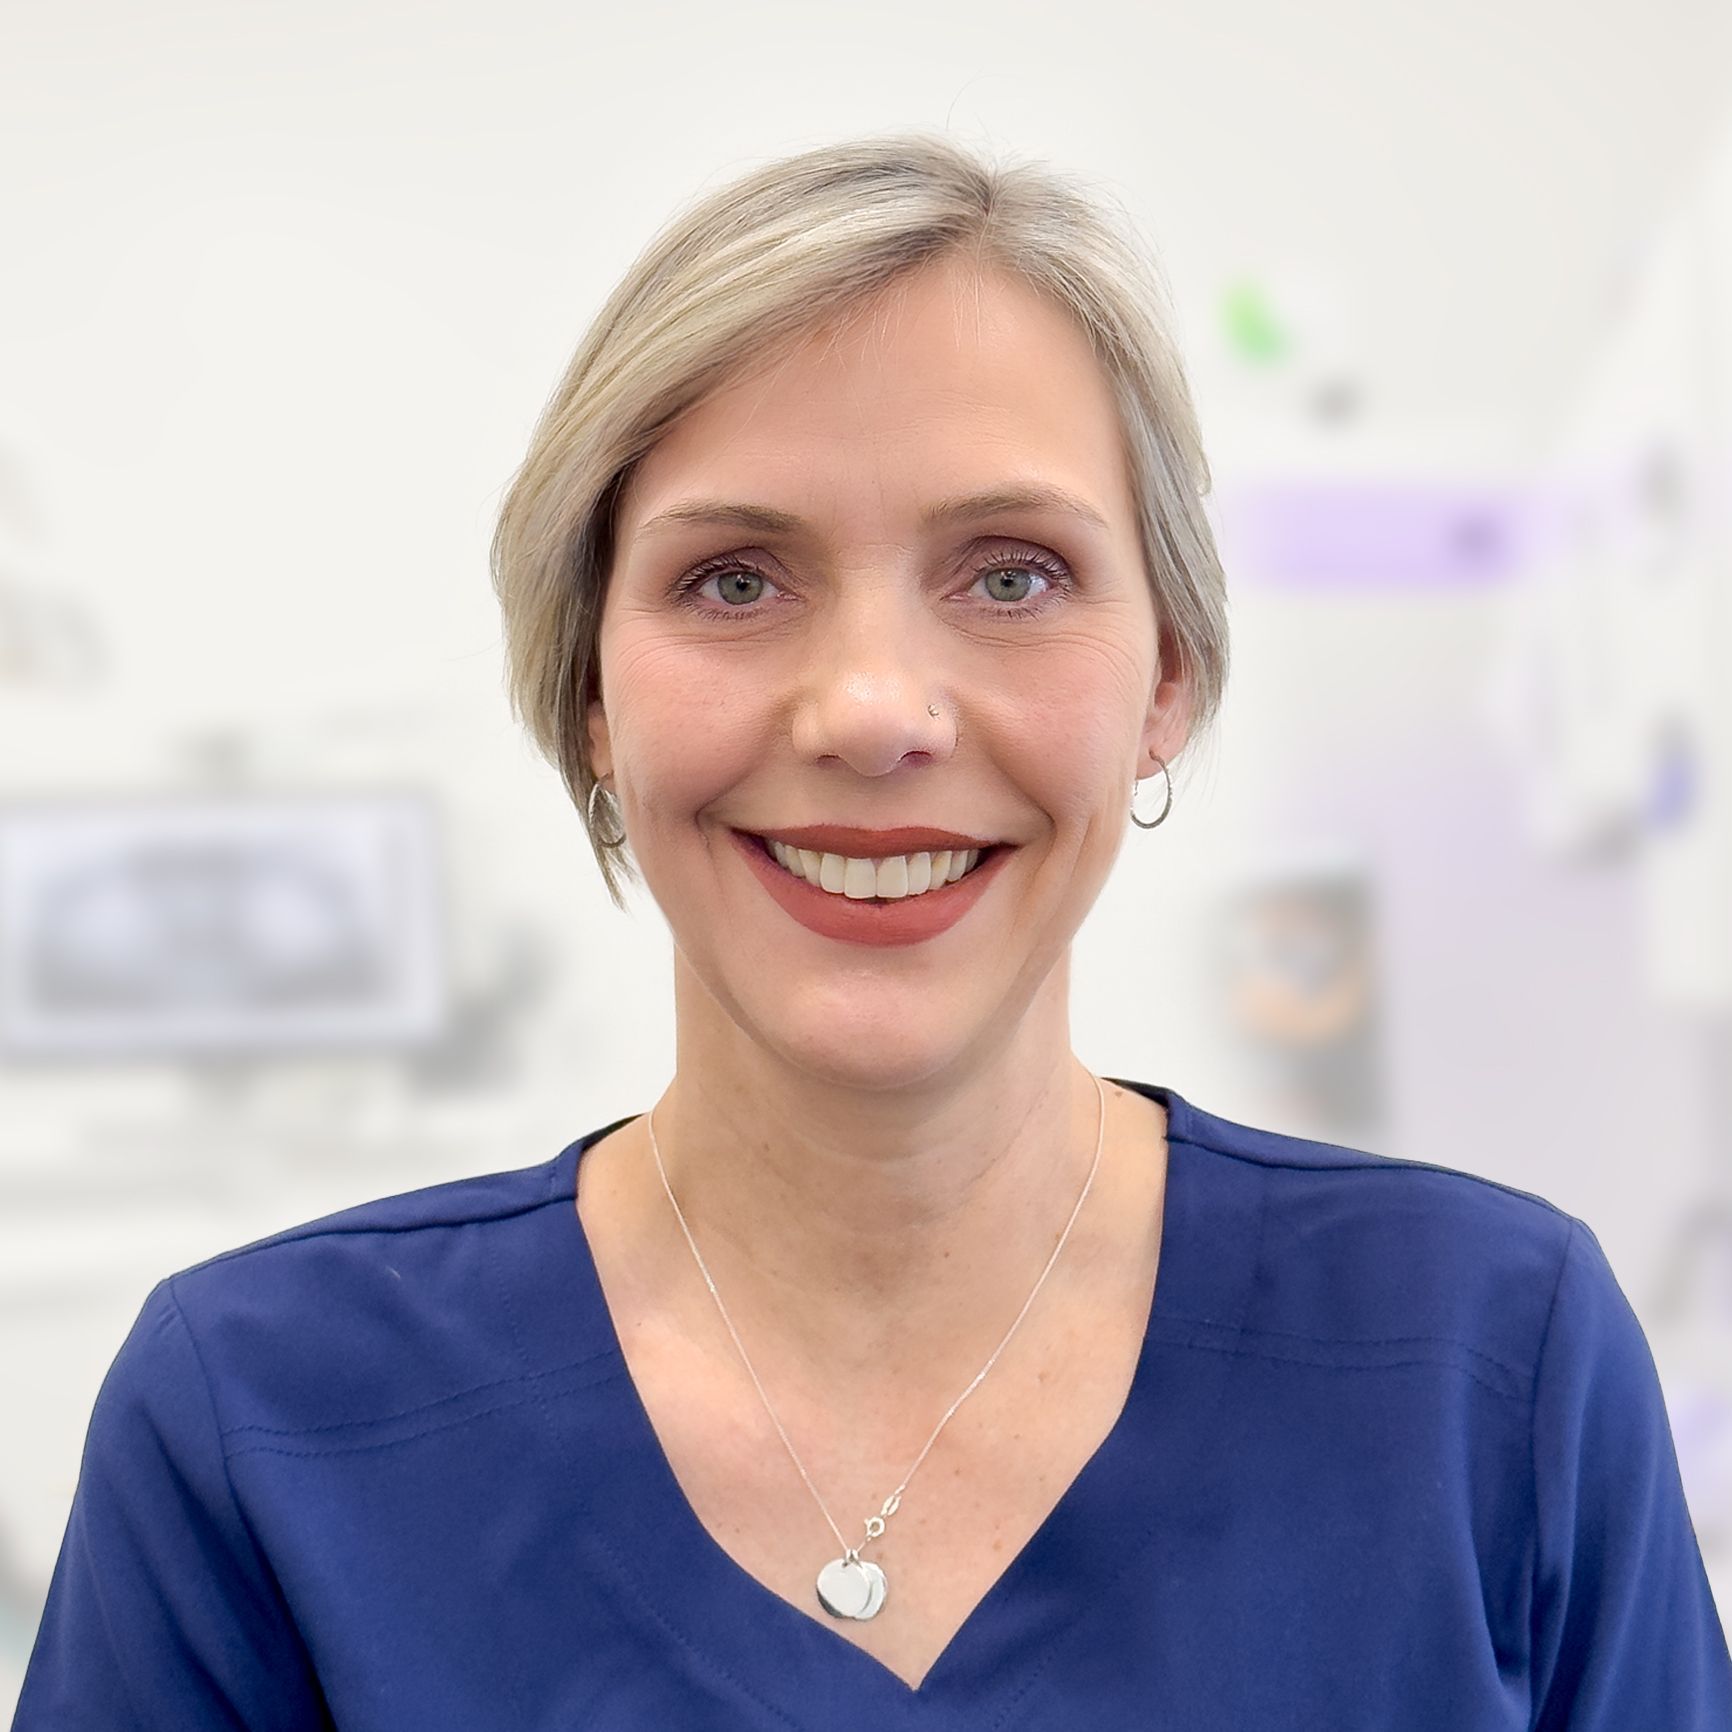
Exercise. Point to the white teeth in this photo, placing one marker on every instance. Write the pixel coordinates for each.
(897, 876)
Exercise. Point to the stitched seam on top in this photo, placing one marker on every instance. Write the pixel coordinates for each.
(1536, 1708)
(1329, 1365)
(554, 1195)
(539, 1398)
(240, 1514)
(116, 1648)
(423, 1406)
(1515, 1371)
(311, 1231)
(1370, 1163)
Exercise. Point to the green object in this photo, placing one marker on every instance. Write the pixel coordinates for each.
(1252, 329)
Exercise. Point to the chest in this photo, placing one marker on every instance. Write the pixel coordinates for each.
(993, 1476)
(977, 1487)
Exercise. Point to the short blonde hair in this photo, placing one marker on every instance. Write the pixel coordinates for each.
(778, 254)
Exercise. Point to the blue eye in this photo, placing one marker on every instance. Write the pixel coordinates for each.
(740, 583)
(730, 574)
(1025, 565)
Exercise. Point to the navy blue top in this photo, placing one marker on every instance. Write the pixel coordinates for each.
(1394, 1456)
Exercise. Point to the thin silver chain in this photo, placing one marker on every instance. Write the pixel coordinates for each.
(892, 1502)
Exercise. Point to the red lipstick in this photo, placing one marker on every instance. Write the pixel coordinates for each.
(907, 920)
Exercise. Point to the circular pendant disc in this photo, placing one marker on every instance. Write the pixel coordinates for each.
(844, 1588)
(878, 1590)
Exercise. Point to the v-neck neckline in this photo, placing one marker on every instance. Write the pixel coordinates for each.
(1144, 1473)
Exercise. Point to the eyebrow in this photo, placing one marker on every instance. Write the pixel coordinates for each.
(964, 507)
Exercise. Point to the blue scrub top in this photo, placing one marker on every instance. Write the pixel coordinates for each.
(1394, 1458)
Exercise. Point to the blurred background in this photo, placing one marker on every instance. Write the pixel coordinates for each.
(290, 917)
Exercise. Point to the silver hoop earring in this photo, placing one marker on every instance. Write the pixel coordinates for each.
(1156, 823)
(606, 841)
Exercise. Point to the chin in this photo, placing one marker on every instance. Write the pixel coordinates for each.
(862, 1059)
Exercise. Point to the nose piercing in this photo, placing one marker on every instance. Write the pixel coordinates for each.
(932, 709)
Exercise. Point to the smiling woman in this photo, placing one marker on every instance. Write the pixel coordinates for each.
(794, 277)
(892, 1366)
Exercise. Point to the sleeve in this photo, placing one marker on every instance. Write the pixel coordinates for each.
(1625, 1631)
(162, 1613)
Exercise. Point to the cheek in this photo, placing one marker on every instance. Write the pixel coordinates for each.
(641, 665)
(1081, 715)
(1081, 730)
(679, 739)
(654, 670)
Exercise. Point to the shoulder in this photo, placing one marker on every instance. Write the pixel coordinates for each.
(1389, 1260)
(390, 1307)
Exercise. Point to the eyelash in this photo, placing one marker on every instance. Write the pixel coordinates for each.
(724, 564)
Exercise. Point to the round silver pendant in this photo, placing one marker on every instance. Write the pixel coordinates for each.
(851, 1588)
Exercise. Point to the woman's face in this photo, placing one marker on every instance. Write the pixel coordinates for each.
(771, 670)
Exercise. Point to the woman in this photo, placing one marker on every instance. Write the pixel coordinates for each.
(892, 1366)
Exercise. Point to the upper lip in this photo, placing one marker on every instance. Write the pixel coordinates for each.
(870, 844)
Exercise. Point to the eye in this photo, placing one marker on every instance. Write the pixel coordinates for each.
(738, 583)
(1008, 576)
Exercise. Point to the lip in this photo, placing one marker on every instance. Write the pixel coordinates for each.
(871, 844)
(908, 920)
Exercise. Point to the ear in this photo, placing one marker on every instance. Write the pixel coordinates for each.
(600, 743)
(1167, 725)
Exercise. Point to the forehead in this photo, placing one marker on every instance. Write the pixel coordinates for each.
(949, 383)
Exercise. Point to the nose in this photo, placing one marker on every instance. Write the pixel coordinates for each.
(871, 678)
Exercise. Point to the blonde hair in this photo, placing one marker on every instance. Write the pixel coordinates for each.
(782, 252)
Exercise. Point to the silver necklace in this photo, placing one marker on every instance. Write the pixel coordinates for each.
(851, 1586)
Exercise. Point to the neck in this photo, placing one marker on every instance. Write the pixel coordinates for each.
(841, 1223)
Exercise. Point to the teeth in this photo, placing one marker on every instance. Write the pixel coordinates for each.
(893, 878)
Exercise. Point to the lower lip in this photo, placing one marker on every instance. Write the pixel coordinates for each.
(908, 920)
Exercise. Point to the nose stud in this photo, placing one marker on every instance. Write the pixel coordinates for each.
(932, 709)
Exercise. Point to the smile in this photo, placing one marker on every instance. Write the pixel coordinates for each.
(892, 906)
(887, 880)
